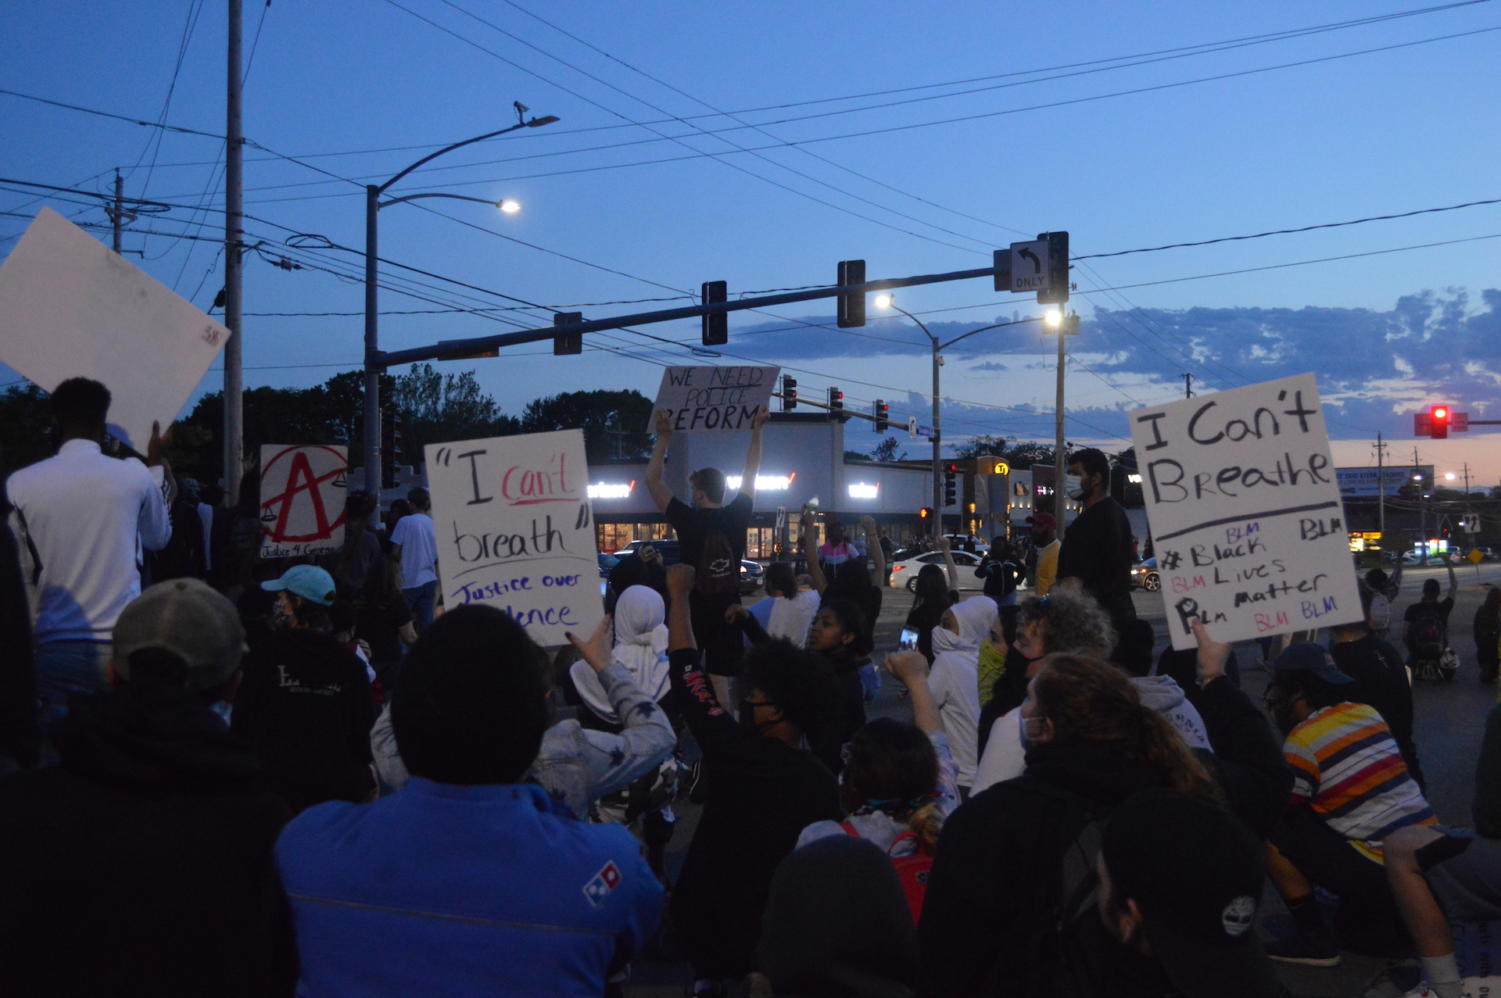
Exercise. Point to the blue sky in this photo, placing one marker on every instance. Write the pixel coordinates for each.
(1170, 123)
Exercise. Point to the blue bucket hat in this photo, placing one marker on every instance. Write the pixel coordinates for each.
(308, 581)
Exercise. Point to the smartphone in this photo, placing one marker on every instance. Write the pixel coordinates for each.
(604, 588)
(908, 639)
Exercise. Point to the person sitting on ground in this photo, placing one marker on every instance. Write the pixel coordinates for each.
(996, 894)
(575, 765)
(1187, 915)
(305, 703)
(955, 679)
(899, 781)
(1487, 631)
(836, 926)
(1133, 654)
(935, 590)
(764, 787)
(1061, 622)
(152, 839)
(1442, 875)
(641, 648)
(79, 518)
(1351, 790)
(711, 536)
(1426, 632)
(1380, 680)
(468, 881)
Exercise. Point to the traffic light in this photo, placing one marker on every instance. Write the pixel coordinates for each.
(925, 514)
(716, 331)
(950, 481)
(851, 306)
(836, 401)
(1438, 421)
(883, 415)
(567, 341)
(789, 393)
(1057, 292)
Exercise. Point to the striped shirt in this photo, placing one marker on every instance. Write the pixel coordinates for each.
(1349, 771)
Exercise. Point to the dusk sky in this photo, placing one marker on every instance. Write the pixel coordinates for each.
(760, 143)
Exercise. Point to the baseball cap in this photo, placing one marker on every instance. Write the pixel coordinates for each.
(1310, 658)
(189, 619)
(1043, 521)
(1199, 903)
(308, 581)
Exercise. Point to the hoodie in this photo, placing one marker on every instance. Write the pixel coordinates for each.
(1165, 696)
(955, 679)
(148, 850)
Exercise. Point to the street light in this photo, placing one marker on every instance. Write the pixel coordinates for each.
(885, 301)
(373, 205)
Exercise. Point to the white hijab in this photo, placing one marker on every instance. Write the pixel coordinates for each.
(640, 646)
(975, 617)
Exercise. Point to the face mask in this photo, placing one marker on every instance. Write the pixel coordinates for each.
(1078, 490)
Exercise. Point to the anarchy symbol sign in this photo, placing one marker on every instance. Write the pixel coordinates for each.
(302, 499)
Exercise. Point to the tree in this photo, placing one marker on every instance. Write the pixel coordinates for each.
(438, 407)
(886, 451)
(25, 427)
(615, 423)
(983, 444)
(855, 455)
(1028, 454)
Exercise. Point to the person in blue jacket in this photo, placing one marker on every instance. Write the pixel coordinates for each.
(468, 881)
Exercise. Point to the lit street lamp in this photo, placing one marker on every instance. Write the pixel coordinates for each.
(886, 301)
(373, 204)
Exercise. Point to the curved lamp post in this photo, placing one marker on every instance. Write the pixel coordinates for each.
(373, 204)
(886, 301)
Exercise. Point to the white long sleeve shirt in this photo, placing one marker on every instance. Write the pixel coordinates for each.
(80, 520)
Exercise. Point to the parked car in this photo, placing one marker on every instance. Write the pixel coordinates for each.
(1415, 556)
(1144, 574)
(671, 551)
(904, 572)
(752, 576)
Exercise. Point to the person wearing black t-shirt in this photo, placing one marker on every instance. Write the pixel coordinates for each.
(764, 788)
(1096, 552)
(1380, 682)
(711, 537)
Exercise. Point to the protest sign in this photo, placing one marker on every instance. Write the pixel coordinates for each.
(70, 308)
(1245, 512)
(714, 399)
(516, 530)
(302, 499)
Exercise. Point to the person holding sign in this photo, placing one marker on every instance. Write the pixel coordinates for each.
(79, 518)
(1096, 553)
(712, 537)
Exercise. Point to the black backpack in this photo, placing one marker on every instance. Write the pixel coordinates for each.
(1425, 633)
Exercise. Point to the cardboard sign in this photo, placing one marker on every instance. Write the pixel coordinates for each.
(70, 307)
(1245, 512)
(516, 530)
(302, 499)
(714, 399)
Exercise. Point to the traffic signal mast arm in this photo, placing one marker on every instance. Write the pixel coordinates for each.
(999, 272)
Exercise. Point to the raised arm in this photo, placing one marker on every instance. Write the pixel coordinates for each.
(1453, 582)
(948, 562)
(1394, 584)
(660, 493)
(911, 670)
(753, 453)
(712, 725)
(873, 545)
(815, 568)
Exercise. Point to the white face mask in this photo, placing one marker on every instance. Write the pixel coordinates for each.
(1075, 487)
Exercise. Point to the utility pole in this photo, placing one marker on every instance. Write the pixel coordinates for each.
(1060, 493)
(1417, 473)
(1188, 385)
(117, 216)
(234, 449)
(1380, 486)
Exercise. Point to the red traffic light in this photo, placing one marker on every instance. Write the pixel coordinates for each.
(1438, 421)
(1440, 412)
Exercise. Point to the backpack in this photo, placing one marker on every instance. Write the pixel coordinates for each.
(912, 870)
(718, 570)
(1426, 635)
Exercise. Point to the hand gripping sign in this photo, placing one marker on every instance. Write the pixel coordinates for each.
(714, 399)
(1245, 512)
(516, 530)
(302, 499)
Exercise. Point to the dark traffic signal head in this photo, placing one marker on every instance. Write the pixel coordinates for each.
(883, 415)
(789, 393)
(836, 400)
(716, 326)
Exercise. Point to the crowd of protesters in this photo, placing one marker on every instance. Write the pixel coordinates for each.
(229, 776)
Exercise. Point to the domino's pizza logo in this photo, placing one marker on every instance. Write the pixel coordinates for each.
(602, 883)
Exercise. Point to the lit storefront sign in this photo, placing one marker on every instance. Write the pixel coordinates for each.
(611, 490)
(765, 483)
(864, 490)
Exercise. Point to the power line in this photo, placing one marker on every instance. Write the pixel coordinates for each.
(107, 114)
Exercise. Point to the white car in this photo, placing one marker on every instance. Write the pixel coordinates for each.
(904, 572)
